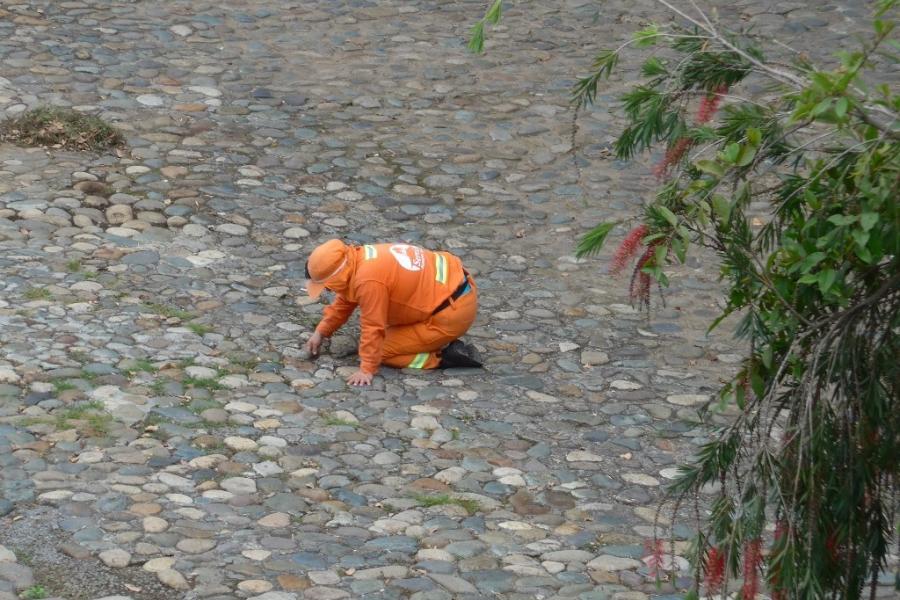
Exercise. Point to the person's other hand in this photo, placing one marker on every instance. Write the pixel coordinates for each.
(360, 378)
(314, 344)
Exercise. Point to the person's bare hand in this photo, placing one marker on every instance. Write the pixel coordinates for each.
(360, 378)
(314, 344)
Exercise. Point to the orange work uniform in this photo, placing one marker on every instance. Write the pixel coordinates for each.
(398, 287)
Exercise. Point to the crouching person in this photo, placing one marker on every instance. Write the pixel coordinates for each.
(414, 305)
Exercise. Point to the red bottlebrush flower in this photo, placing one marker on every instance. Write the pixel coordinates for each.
(715, 570)
(673, 155)
(639, 289)
(655, 552)
(708, 107)
(710, 104)
(781, 530)
(874, 437)
(831, 544)
(752, 560)
(628, 248)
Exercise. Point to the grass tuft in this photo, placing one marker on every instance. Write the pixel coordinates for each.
(88, 376)
(199, 328)
(247, 364)
(37, 293)
(80, 410)
(168, 311)
(204, 424)
(88, 418)
(61, 385)
(428, 501)
(157, 387)
(140, 365)
(197, 382)
(92, 420)
(332, 421)
(60, 128)
(35, 592)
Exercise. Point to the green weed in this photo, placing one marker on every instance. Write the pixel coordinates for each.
(38, 293)
(428, 501)
(35, 592)
(88, 376)
(61, 385)
(141, 365)
(197, 382)
(168, 311)
(332, 421)
(199, 328)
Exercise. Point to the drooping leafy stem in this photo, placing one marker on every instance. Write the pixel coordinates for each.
(807, 471)
(492, 16)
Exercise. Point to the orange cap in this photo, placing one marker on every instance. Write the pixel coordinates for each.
(326, 261)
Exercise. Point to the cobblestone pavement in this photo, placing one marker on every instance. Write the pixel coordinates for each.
(161, 433)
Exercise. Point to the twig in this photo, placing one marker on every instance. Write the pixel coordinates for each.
(774, 73)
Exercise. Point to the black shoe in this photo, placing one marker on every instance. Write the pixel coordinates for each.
(459, 355)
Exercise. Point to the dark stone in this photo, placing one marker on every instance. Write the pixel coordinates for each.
(415, 584)
(89, 534)
(494, 581)
(111, 503)
(530, 382)
(310, 561)
(349, 497)
(636, 552)
(396, 543)
(605, 482)
(596, 436)
(141, 257)
(295, 100)
(157, 462)
(562, 500)
(74, 550)
(437, 566)
(523, 504)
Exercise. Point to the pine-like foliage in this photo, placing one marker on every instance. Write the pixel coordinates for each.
(815, 446)
(807, 473)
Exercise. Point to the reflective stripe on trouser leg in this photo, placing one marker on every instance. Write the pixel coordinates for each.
(404, 361)
(403, 344)
(419, 361)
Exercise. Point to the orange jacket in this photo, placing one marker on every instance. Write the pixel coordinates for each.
(393, 284)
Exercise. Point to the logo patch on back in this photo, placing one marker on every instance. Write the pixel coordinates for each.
(411, 258)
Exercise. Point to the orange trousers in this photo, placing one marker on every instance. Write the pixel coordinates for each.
(418, 345)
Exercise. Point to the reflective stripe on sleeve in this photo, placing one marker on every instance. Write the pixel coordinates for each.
(440, 268)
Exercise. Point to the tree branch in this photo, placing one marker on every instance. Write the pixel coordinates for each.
(782, 76)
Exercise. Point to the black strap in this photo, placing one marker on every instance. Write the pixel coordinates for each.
(456, 294)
